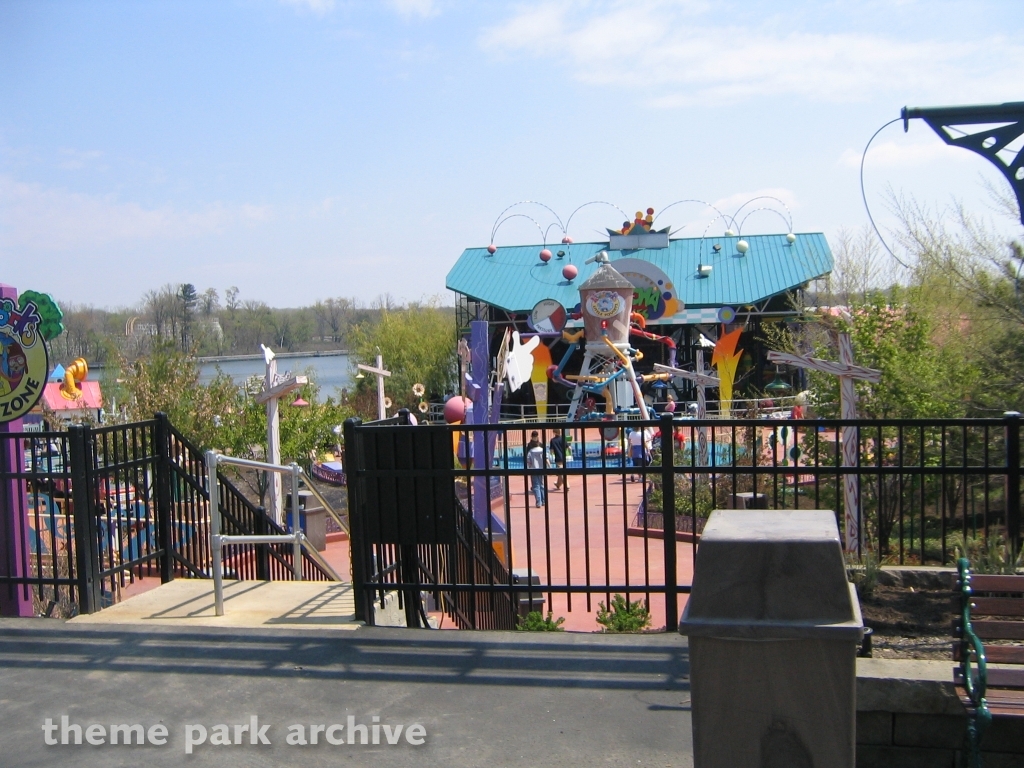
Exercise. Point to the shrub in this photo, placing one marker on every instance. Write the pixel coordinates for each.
(987, 555)
(865, 578)
(623, 616)
(536, 622)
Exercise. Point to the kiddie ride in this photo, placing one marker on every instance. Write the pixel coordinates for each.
(606, 306)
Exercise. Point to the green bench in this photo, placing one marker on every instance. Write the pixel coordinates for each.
(990, 608)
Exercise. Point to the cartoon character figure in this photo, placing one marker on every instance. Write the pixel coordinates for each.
(12, 364)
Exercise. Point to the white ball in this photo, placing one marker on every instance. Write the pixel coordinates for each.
(790, 238)
(730, 233)
(742, 246)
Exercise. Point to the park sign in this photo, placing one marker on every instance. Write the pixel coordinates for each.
(25, 327)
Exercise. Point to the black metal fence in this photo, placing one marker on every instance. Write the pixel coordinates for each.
(631, 519)
(90, 511)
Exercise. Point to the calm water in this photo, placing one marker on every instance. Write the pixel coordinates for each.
(330, 372)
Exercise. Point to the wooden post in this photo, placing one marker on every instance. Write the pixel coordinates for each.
(847, 373)
(274, 388)
(380, 373)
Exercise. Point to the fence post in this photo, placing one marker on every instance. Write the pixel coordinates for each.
(163, 506)
(87, 555)
(360, 575)
(668, 496)
(262, 550)
(1012, 492)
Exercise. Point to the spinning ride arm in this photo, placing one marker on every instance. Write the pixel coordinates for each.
(637, 328)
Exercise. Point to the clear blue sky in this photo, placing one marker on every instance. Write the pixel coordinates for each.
(301, 149)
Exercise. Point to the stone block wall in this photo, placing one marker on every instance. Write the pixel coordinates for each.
(907, 740)
(909, 716)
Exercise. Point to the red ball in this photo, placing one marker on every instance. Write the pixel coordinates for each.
(569, 272)
(545, 255)
(455, 409)
(566, 240)
(492, 248)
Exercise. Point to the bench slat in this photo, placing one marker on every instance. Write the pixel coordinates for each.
(997, 654)
(992, 583)
(988, 629)
(999, 630)
(1004, 702)
(997, 678)
(997, 606)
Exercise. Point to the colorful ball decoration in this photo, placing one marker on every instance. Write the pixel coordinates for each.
(455, 409)
(545, 255)
(569, 272)
(566, 240)
(492, 248)
(726, 315)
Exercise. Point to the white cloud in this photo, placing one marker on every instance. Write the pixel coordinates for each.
(893, 154)
(38, 218)
(76, 160)
(407, 8)
(675, 54)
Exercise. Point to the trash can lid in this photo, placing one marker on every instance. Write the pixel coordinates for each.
(771, 574)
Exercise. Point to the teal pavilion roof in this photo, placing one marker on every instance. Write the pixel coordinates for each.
(514, 278)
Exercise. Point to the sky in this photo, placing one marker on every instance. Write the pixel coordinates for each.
(304, 149)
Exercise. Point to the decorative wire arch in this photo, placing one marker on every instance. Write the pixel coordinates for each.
(543, 232)
(499, 221)
(592, 202)
(789, 214)
(709, 205)
(739, 229)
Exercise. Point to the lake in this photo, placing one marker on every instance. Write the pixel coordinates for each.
(330, 372)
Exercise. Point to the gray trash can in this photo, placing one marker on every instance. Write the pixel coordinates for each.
(773, 627)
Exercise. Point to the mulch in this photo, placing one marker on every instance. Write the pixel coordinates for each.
(909, 623)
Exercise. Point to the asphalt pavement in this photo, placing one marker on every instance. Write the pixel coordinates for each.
(237, 696)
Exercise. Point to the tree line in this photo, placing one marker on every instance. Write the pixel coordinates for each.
(209, 323)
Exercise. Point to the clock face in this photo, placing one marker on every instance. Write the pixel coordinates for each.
(604, 304)
(548, 316)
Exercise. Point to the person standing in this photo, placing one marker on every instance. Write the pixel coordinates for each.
(535, 460)
(636, 449)
(559, 448)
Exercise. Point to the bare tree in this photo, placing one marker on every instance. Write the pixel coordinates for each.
(861, 267)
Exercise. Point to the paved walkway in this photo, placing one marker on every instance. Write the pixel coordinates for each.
(484, 699)
(580, 538)
(189, 602)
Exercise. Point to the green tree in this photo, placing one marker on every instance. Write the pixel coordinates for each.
(167, 380)
(305, 431)
(418, 346)
(188, 298)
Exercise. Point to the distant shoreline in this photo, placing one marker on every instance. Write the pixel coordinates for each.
(278, 355)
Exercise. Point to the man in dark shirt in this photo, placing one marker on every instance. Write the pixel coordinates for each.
(559, 448)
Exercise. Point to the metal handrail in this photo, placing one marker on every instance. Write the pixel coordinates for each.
(320, 497)
(218, 541)
(970, 642)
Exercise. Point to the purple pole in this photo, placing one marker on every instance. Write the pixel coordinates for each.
(479, 346)
(15, 601)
